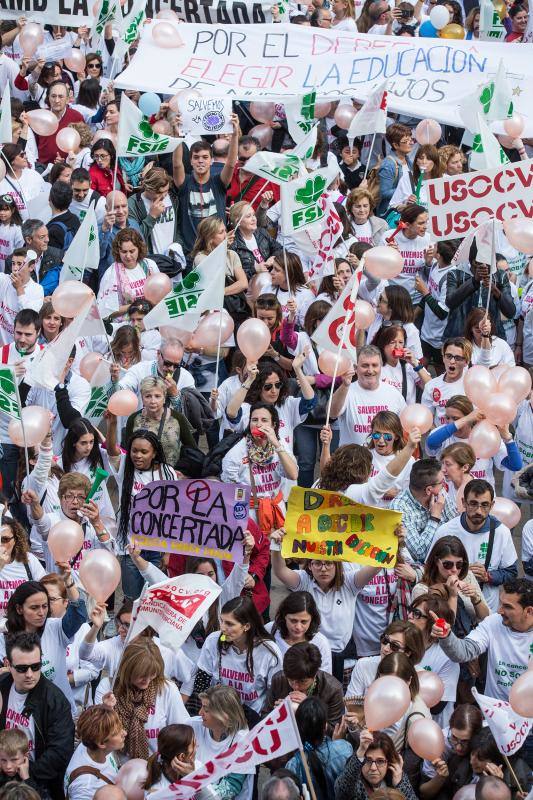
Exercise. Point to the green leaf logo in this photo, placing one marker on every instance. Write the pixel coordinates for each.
(485, 98)
(312, 190)
(477, 146)
(308, 105)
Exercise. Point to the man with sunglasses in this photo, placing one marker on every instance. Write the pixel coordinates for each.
(488, 542)
(33, 704)
(167, 366)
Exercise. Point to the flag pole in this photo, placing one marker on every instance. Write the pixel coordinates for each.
(308, 774)
(367, 165)
(513, 773)
(26, 457)
(115, 171)
(218, 347)
(286, 271)
(251, 203)
(492, 264)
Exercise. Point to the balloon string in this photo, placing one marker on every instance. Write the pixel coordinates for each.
(26, 457)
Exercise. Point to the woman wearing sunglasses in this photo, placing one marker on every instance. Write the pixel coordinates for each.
(385, 440)
(21, 182)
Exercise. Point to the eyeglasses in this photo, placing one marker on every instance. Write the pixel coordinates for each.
(71, 498)
(23, 668)
(457, 742)
(322, 564)
(452, 564)
(380, 763)
(6, 539)
(101, 156)
(406, 141)
(169, 364)
(54, 599)
(124, 625)
(275, 385)
(474, 505)
(396, 647)
(391, 323)
(416, 613)
(451, 357)
(388, 437)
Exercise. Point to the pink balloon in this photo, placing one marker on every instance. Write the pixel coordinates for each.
(168, 14)
(253, 338)
(170, 334)
(264, 133)
(478, 383)
(257, 284)
(506, 511)
(499, 408)
(383, 262)
(515, 381)
(364, 314)
(208, 330)
(65, 539)
(156, 287)
(519, 233)
(322, 110)
(521, 694)
(162, 126)
(103, 134)
(70, 297)
(42, 122)
(485, 439)
(262, 112)
(344, 115)
(514, 126)
(165, 35)
(36, 421)
(100, 574)
(386, 701)
(506, 141)
(68, 139)
(89, 365)
(428, 132)
(426, 739)
(180, 98)
(131, 778)
(327, 361)
(123, 403)
(431, 687)
(467, 792)
(498, 371)
(75, 60)
(30, 38)
(418, 416)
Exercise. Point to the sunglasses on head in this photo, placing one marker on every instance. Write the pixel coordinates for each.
(416, 613)
(389, 323)
(275, 385)
(23, 668)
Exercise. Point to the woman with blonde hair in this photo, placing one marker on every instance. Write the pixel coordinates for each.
(452, 159)
(93, 764)
(210, 233)
(253, 244)
(143, 698)
(344, 19)
(81, 156)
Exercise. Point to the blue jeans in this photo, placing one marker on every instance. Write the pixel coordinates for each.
(9, 467)
(307, 446)
(132, 580)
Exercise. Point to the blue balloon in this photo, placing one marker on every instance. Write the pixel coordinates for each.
(426, 30)
(150, 103)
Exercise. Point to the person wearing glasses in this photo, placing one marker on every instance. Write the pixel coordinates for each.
(36, 705)
(376, 764)
(488, 542)
(392, 167)
(21, 182)
(102, 170)
(17, 564)
(456, 354)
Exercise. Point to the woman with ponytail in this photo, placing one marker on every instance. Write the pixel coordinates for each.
(175, 757)
(326, 757)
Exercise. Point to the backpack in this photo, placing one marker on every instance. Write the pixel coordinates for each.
(195, 464)
(68, 235)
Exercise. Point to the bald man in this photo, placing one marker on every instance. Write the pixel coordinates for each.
(109, 793)
(115, 219)
(489, 787)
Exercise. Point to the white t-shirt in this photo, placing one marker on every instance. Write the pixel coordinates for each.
(508, 654)
(16, 719)
(379, 463)
(84, 787)
(527, 541)
(11, 303)
(432, 327)
(131, 283)
(163, 230)
(303, 297)
(527, 305)
(503, 551)
(436, 394)
(230, 669)
(318, 639)
(168, 710)
(393, 376)
(372, 611)
(208, 748)
(436, 660)
(523, 436)
(412, 341)
(360, 408)
(12, 575)
(10, 238)
(337, 606)
(289, 418)
(24, 190)
(363, 674)
(499, 353)
(363, 232)
(413, 251)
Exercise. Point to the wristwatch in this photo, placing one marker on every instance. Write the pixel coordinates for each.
(59, 386)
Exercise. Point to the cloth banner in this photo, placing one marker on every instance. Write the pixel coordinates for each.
(458, 204)
(508, 728)
(196, 517)
(9, 403)
(136, 137)
(330, 526)
(328, 335)
(276, 735)
(427, 77)
(173, 607)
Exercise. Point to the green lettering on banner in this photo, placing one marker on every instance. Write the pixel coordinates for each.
(307, 197)
(138, 146)
(176, 306)
(8, 393)
(97, 404)
(132, 31)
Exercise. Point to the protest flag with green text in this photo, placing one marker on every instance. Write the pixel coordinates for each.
(136, 136)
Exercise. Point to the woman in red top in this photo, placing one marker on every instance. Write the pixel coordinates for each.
(102, 169)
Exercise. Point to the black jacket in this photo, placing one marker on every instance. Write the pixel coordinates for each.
(138, 212)
(266, 245)
(326, 687)
(54, 732)
(464, 292)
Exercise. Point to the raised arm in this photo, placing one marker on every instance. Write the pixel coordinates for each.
(288, 577)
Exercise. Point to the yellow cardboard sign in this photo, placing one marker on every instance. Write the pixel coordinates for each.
(331, 527)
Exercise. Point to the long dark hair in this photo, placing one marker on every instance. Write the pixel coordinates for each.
(447, 546)
(296, 603)
(173, 740)
(14, 619)
(244, 611)
(311, 718)
(80, 427)
(129, 470)
(254, 392)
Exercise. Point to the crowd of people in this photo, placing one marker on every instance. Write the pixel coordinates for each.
(77, 703)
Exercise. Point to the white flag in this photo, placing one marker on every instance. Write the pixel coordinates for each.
(493, 100)
(276, 168)
(300, 113)
(300, 198)
(97, 405)
(108, 11)
(306, 146)
(329, 333)
(491, 28)
(129, 27)
(487, 152)
(276, 735)
(508, 728)
(46, 368)
(173, 607)
(372, 116)
(84, 250)
(6, 132)
(9, 402)
(136, 136)
(200, 290)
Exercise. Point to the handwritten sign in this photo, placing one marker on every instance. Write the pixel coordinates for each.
(195, 517)
(331, 527)
(460, 203)
(206, 117)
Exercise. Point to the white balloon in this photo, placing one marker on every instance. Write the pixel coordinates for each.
(439, 17)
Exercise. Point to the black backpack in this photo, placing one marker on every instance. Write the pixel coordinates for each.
(196, 464)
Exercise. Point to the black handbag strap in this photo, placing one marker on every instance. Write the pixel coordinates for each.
(404, 380)
(490, 543)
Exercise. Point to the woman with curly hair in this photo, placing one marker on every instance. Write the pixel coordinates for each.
(124, 280)
(452, 159)
(17, 564)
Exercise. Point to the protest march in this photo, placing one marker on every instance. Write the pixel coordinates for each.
(266, 402)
